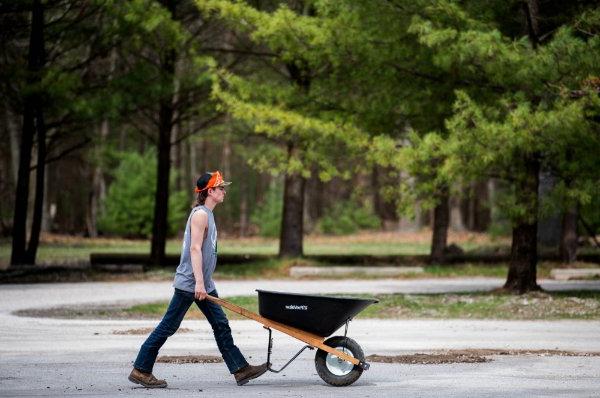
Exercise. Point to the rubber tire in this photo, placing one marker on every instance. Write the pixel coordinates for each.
(326, 375)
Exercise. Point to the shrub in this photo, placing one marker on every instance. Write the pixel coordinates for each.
(267, 215)
(347, 217)
(129, 203)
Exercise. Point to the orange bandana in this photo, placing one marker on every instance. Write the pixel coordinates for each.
(216, 180)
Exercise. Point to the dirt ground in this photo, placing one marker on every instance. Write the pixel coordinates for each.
(182, 359)
(145, 331)
(435, 358)
(469, 356)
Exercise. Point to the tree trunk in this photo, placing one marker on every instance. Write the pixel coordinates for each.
(177, 155)
(374, 192)
(193, 169)
(292, 220)
(204, 151)
(40, 173)
(550, 225)
(32, 102)
(307, 220)
(456, 216)
(243, 209)
(385, 210)
(493, 200)
(441, 220)
(161, 196)
(244, 186)
(177, 129)
(472, 201)
(98, 191)
(532, 15)
(13, 134)
(481, 207)
(226, 158)
(46, 217)
(290, 242)
(568, 239)
(19, 234)
(418, 222)
(165, 127)
(523, 257)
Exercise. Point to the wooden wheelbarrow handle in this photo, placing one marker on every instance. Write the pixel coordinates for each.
(311, 339)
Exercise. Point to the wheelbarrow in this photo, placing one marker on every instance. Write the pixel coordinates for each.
(339, 360)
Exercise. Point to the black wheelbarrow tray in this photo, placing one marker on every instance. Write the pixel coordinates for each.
(339, 360)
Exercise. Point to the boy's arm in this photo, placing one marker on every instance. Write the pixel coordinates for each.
(199, 223)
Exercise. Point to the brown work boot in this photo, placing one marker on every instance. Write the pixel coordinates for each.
(249, 372)
(146, 379)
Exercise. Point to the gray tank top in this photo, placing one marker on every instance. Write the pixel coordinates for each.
(184, 276)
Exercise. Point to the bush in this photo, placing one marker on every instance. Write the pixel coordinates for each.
(267, 215)
(590, 213)
(344, 218)
(129, 203)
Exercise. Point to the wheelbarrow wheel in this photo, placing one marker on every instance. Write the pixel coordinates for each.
(335, 371)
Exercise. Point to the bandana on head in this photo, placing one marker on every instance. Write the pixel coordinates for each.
(216, 180)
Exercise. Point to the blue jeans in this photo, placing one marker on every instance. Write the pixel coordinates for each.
(178, 307)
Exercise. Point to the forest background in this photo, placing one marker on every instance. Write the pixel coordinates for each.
(329, 116)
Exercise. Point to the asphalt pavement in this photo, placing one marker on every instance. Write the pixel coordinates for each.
(59, 357)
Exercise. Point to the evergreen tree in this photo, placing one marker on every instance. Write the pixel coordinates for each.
(51, 84)
(288, 102)
(164, 86)
(532, 109)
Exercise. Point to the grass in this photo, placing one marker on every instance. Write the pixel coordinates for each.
(496, 270)
(279, 269)
(276, 268)
(532, 306)
(158, 309)
(50, 252)
(268, 269)
(60, 248)
(63, 250)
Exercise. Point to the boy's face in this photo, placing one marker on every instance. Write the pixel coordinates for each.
(218, 194)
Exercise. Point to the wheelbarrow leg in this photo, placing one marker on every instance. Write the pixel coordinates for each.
(270, 349)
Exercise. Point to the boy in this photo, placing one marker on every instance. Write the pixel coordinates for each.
(193, 282)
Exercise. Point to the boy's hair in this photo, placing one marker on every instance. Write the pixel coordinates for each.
(201, 198)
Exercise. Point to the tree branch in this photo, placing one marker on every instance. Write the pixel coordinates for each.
(236, 51)
(64, 153)
(202, 125)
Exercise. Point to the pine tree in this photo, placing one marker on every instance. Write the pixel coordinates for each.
(288, 102)
(531, 107)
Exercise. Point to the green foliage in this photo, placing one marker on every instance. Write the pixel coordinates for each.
(287, 108)
(347, 217)
(267, 215)
(499, 228)
(524, 104)
(129, 204)
(590, 213)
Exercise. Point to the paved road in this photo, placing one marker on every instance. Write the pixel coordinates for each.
(52, 357)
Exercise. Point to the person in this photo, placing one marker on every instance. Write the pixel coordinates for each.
(193, 282)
